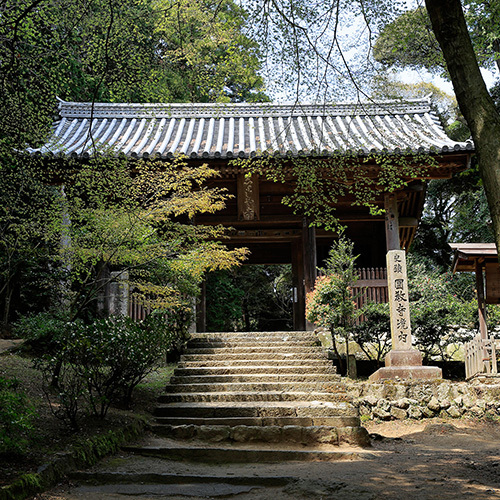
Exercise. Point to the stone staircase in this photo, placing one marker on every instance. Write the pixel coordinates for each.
(255, 396)
(255, 413)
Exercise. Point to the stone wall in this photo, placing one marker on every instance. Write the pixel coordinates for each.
(417, 400)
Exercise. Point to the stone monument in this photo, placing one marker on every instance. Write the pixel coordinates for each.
(403, 361)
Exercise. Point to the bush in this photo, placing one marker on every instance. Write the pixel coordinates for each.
(331, 304)
(373, 334)
(40, 331)
(100, 364)
(16, 415)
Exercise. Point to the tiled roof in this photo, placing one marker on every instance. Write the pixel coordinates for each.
(243, 130)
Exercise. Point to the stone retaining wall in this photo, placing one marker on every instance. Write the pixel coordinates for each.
(417, 400)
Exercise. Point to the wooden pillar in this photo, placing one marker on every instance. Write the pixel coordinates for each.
(391, 222)
(299, 299)
(310, 261)
(201, 309)
(309, 253)
(481, 303)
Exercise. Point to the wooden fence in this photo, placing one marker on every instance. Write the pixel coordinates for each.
(371, 286)
(136, 310)
(481, 357)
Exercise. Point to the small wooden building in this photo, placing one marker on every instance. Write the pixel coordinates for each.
(218, 133)
(481, 353)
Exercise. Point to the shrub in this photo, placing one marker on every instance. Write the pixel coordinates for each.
(373, 334)
(102, 362)
(16, 416)
(331, 304)
(40, 331)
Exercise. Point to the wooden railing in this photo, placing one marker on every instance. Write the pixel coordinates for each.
(481, 357)
(136, 310)
(371, 286)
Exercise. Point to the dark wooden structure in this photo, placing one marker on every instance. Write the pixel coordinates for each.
(481, 353)
(218, 133)
(482, 260)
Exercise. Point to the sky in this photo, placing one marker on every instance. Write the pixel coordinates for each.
(414, 76)
(335, 84)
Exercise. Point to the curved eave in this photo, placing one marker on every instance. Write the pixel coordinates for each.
(201, 131)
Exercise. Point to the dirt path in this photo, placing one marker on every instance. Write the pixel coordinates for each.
(409, 461)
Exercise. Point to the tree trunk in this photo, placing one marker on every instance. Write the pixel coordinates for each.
(475, 103)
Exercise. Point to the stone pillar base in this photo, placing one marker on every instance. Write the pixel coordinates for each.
(410, 357)
(407, 373)
(406, 365)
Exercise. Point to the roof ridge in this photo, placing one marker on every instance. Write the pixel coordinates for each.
(239, 110)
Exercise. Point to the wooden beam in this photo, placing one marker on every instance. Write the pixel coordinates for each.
(309, 252)
(408, 222)
(481, 303)
(391, 222)
(299, 300)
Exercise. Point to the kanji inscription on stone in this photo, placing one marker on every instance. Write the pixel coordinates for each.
(397, 281)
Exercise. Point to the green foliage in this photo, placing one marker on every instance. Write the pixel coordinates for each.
(482, 20)
(443, 315)
(99, 364)
(439, 322)
(27, 209)
(250, 298)
(373, 333)
(409, 42)
(456, 210)
(108, 51)
(224, 301)
(41, 331)
(331, 304)
(135, 217)
(320, 182)
(208, 52)
(16, 415)
(119, 51)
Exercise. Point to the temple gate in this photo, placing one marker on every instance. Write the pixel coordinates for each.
(218, 133)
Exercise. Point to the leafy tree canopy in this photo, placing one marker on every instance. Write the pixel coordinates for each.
(409, 41)
(111, 51)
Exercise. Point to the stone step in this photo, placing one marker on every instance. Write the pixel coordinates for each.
(221, 454)
(251, 396)
(291, 434)
(251, 356)
(330, 386)
(241, 344)
(144, 477)
(251, 362)
(253, 370)
(145, 484)
(247, 389)
(297, 350)
(259, 336)
(257, 409)
(253, 334)
(341, 421)
(253, 378)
